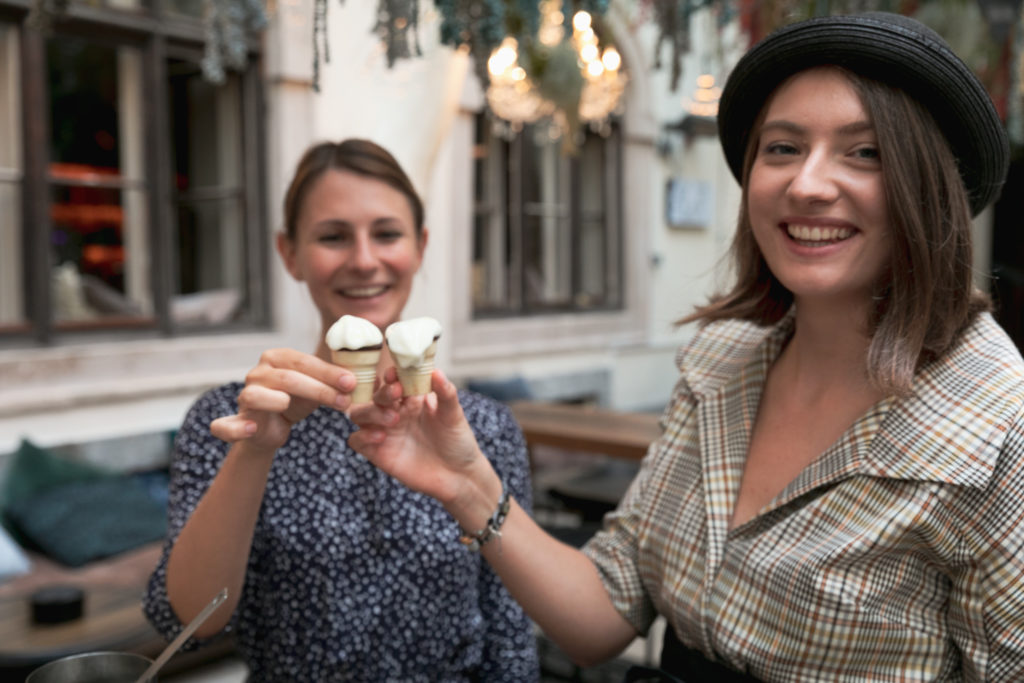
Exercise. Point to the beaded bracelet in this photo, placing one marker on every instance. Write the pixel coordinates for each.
(492, 530)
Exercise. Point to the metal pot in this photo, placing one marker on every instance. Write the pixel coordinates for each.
(92, 667)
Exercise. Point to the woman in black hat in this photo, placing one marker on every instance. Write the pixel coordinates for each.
(836, 493)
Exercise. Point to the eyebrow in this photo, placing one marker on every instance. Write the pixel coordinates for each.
(788, 126)
(382, 222)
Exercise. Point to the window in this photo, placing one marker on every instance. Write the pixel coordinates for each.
(546, 226)
(11, 175)
(134, 206)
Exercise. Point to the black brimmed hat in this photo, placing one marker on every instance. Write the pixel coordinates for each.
(890, 48)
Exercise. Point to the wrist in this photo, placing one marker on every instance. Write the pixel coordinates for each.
(475, 540)
(474, 504)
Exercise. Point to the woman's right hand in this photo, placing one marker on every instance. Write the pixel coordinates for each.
(284, 387)
(426, 443)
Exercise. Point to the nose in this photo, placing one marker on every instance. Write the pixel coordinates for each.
(363, 257)
(815, 180)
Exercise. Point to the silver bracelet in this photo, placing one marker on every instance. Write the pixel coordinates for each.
(492, 530)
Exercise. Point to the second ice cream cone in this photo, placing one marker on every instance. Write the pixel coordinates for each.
(415, 379)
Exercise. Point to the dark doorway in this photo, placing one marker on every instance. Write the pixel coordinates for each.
(1008, 254)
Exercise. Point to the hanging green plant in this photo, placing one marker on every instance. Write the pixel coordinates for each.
(227, 25)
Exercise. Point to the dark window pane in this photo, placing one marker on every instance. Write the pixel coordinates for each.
(83, 102)
(12, 300)
(545, 233)
(190, 8)
(212, 243)
(99, 242)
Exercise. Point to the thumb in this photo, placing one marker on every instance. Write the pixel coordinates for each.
(448, 408)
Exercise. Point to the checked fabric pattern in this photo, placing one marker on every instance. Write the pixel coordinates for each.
(897, 555)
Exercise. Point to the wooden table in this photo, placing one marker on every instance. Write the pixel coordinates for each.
(587, 428)
(112, 620)
(112, 617)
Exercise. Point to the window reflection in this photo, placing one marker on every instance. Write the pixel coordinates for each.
(190, 8)
(11, 274)
(211, 239)
(546, 233)
(98, 240)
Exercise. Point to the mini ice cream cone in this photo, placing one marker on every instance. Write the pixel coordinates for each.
(415, 379)
(363, 364)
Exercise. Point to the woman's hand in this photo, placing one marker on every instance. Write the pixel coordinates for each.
(423, 441)
(284, 387)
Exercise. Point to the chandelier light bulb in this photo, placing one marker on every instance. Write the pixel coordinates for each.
(611, 59)
(513, 96)
(581, 21)
(504, 58)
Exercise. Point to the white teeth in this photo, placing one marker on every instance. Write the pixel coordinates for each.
(360, 292)
(805, 233)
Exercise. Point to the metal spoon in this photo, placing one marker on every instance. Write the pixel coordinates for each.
(182, 637)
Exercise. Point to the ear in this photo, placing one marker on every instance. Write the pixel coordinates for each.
(421, 244)
(286, 248)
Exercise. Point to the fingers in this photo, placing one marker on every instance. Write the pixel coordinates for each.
(389, 393)
(232, 428)
(303, 376)
(449, 410)
(257, 398)
(366, 440)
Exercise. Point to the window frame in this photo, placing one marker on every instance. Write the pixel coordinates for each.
(158, 37)
(476, 342)
(504, 203)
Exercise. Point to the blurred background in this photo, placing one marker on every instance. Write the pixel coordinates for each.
(577, 199)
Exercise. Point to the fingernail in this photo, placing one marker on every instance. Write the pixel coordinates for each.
(341, 401)
(250, 428)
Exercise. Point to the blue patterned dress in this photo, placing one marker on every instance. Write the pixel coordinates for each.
(352, 576)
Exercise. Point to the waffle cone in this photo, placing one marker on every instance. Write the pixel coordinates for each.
(363, 364)
(415, 379)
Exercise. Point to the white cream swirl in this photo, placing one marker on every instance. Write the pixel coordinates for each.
(352, 332)
(408, 340)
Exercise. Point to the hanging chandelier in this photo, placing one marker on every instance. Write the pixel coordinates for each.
(570, 81)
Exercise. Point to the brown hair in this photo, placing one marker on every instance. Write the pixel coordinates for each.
(926, 298)
(362, 157)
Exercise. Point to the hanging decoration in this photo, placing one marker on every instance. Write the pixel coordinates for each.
(397, 27)
(672, 17)
(228, 24)
(568, 79)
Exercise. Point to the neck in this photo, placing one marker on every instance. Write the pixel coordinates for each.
(828, 350)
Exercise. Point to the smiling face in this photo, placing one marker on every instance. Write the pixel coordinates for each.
(815, 193)
(356, 247)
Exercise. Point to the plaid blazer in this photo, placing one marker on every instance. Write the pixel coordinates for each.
(898, 554)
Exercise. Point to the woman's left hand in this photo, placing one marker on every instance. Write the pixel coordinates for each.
(423, 441)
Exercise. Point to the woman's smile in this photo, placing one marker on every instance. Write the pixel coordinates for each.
(808, 236)
(362, 291)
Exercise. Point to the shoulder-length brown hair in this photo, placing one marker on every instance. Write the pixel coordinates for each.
(926, 297)
(362, 157)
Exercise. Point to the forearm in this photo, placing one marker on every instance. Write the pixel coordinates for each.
(212, 550)
(559, 587)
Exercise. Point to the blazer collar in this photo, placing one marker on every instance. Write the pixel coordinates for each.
(950, 430)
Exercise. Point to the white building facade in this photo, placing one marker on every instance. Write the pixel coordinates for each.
(64, 385)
